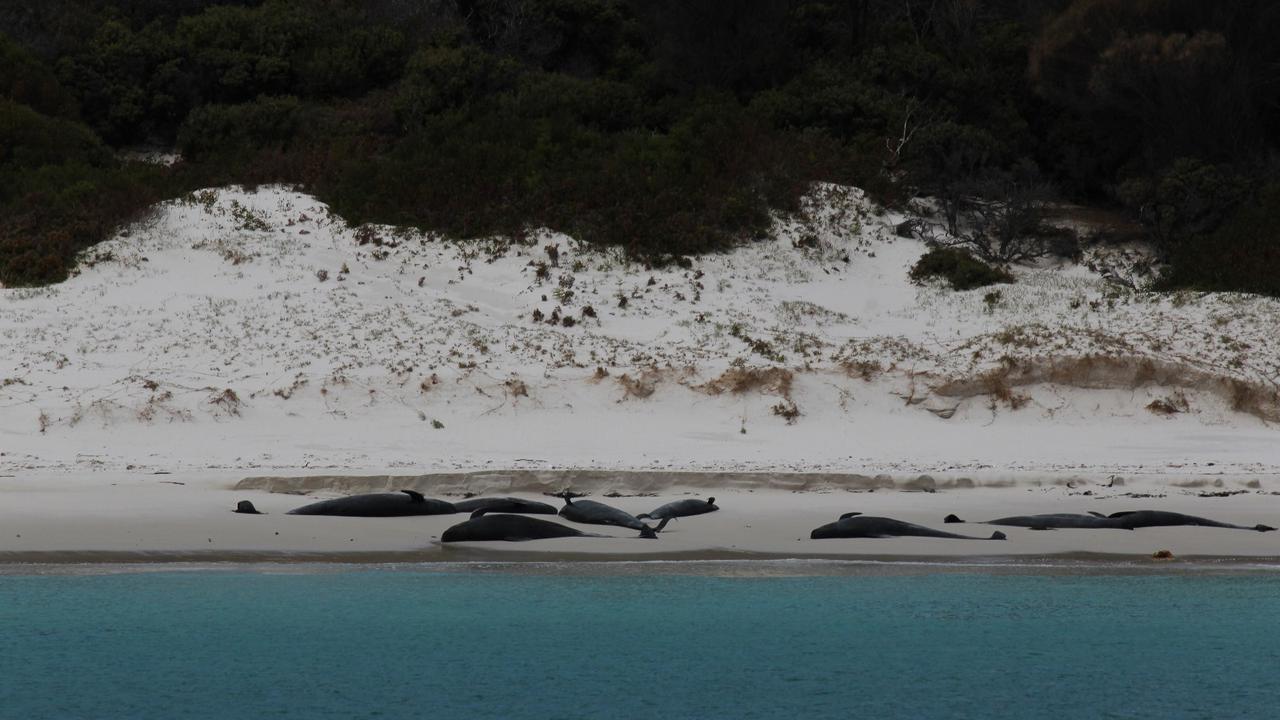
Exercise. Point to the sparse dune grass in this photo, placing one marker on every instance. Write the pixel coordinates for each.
(818, 323)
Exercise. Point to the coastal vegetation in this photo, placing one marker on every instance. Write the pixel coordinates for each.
(664, 127)
(961, 270)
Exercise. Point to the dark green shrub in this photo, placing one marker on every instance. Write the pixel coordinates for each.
(1242, 255)
(61, 190)
(1191, 197)
(444, 78)
(27, 81)
(962, 270)
(29, 139)
(233, 130)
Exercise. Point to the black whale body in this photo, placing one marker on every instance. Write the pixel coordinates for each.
(850, 525)
(681, 508)
(1128, 520)
(508, 528)
(591, 512)
(1050, 521)
(1134, 519)
(400, 504)
(505, 505)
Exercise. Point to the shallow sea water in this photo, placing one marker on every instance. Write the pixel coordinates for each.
(427, 643)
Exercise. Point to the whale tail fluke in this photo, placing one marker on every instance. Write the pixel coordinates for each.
(951, 519)
(997, 535)
(1263, 528)
(652, 532)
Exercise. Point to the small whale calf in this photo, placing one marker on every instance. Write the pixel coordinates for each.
(591, 512)
(681, 508)
(505, 505)
(401, 504)
(855, 525)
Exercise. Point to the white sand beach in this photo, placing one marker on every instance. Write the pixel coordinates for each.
(125, 518)
(197, 349)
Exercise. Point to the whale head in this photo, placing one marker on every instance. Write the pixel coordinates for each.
(825, 532)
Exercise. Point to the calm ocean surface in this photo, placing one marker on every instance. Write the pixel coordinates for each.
(461, 644)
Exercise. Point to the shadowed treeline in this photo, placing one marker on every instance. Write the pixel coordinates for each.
(664, 127)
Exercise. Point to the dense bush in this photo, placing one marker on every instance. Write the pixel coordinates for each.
(1242, 254)
(960, 269)
(238, 130)
(61, 190)
(665, 127)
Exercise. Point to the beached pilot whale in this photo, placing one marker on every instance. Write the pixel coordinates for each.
(1049, 521)
(591, 512)
(509, 528)
(681, 508)
(1128, 520)
(856, 525)
(403, 503)
(505, 505)
(1133, 519)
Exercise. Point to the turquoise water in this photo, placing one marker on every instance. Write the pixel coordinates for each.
(429, 644)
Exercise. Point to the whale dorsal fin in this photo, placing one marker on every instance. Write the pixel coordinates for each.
(479, 513)
(849, 515)
(414, 496)
(1120, 514)
(1098, 515)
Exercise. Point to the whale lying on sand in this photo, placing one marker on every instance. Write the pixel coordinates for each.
(403, 503)
(851, 525)
(505, 505)
(1050, 521)
(591, 512)
(1133, 519)
(1128, 520)
(509, 528)
(681, 508)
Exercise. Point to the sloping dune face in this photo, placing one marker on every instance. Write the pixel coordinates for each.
(237, 328)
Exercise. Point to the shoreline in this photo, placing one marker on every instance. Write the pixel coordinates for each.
(671, 564)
